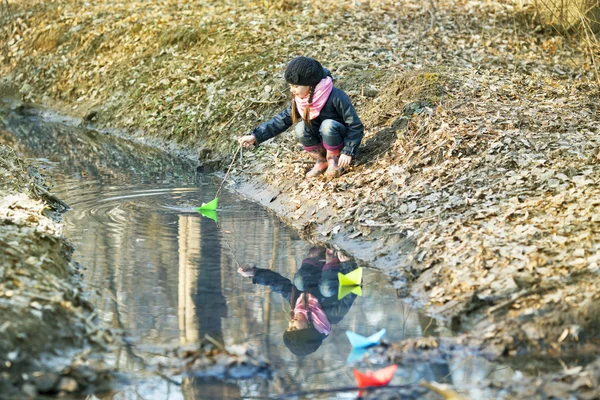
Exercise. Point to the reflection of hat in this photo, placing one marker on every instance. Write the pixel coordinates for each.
(303, 342)
(304, 71)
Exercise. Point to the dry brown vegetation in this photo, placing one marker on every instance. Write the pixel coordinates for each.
(198, 74)
(477, 180)
(576, 20)
(574, 15)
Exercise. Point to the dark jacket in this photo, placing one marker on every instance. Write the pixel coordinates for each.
(338, 107)
(279, 284)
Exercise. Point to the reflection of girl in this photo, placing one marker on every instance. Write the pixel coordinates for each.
(312, 296)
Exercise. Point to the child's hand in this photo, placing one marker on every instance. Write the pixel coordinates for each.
(248, 272)
(247, 141)
(344, 160)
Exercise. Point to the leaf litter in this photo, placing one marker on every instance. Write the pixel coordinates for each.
(477, 179)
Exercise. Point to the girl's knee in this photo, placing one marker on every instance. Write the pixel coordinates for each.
(330, 127)
(332, 132)
(327, 126)
(300, 131)
(305, 136)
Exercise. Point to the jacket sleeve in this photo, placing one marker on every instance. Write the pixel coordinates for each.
(274, 126)
(276, 282)
(344, 107)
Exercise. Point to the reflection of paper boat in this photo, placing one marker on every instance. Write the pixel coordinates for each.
(209, 214)
(359, 341)
(356, 355)
(346, 290)
(350, 283)
(375, 378)
(352, 278)
(211, 205)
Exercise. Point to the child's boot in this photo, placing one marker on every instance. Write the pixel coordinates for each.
(333, 170)
(317, 153)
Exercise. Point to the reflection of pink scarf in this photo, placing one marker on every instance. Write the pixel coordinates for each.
(319, 319)
(320, 96)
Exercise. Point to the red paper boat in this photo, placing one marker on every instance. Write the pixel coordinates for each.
(375, 378)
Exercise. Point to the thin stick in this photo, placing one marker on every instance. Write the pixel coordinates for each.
(215, 342)
(341, 389)
(229, 169)
(232, 253)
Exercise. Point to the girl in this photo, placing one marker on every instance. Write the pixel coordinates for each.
(329, 128)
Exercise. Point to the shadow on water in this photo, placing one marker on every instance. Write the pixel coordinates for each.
(166, 276)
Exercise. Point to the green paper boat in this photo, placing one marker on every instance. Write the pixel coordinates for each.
(351, 278)
(350, 283)
(211, 205)
(212, 214)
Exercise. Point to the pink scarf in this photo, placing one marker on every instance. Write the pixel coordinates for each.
(320, 96)
(319, 319)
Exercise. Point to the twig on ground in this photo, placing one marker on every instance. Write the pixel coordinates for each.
(50, 197)
(431, 24)
(266, 101)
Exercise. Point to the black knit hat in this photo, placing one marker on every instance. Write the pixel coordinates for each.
(304, 71)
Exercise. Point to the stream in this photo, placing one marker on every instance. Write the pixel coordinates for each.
(164, 276)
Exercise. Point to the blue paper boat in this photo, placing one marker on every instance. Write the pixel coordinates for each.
(359, 341)
(356, 355)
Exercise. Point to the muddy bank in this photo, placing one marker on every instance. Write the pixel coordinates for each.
(48, 328)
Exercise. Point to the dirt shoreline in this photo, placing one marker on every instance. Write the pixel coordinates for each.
(476, 188)
(48, 327)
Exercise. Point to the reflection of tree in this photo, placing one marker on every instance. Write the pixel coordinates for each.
(210, 302)
(113, 248)
(210, 307)
(201, 302)
(188, 248)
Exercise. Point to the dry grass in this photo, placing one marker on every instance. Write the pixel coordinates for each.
(570, 14)
(13, 175)
(574, 19)
(185, 37)
(405, 88)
